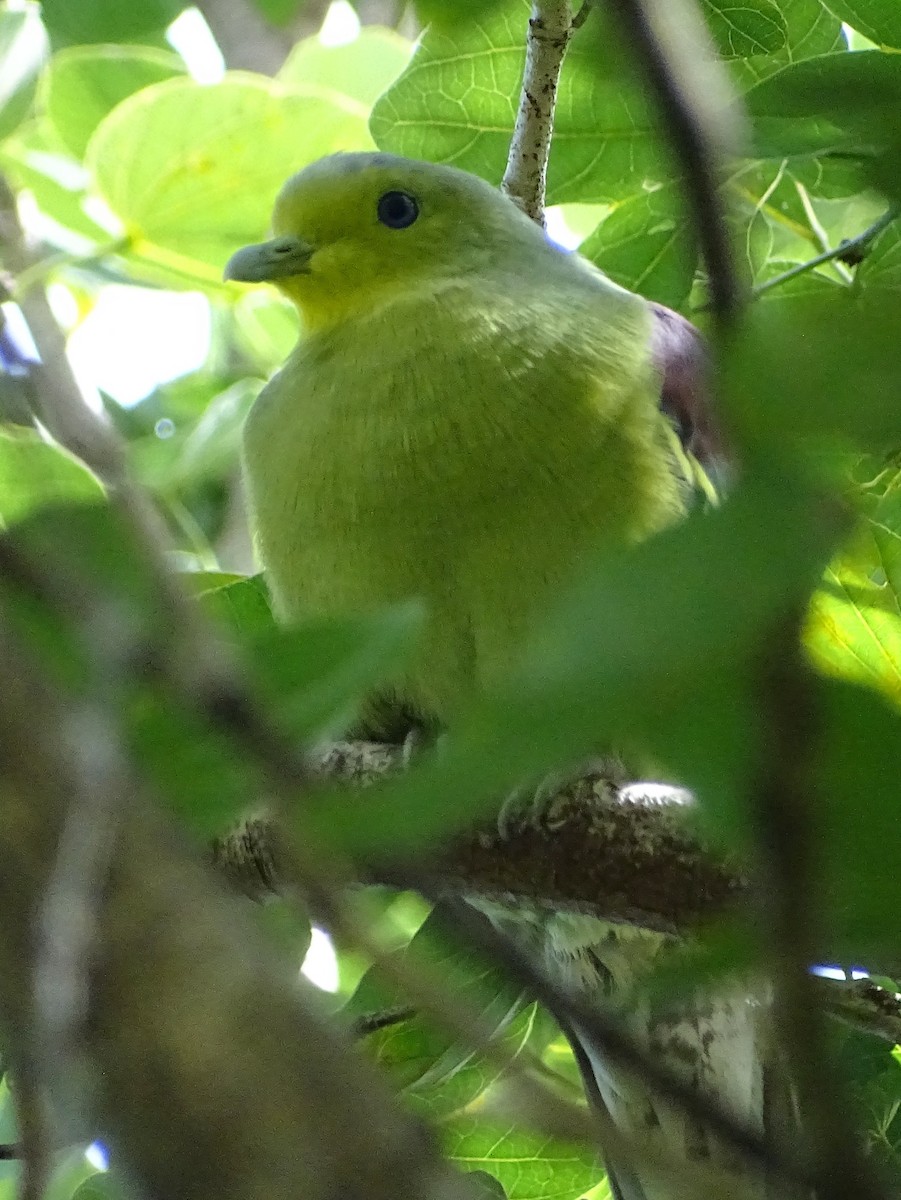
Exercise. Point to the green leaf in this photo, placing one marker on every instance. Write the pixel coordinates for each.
(23, 48)
(882, 266)
(456, 104)
(528, 1165)
(645, 244)
(84, 83)
(205, 451)
(854, 630)
(242, 605)
(33, 160)
(35, 473)
(810, 29)
(108, 20)
(656, 650)
(836, 102)
(361, 69)
(103, 1185)
(315, 676)
(191, 192)
(279, 12)
(841, 356)
(439, 1074)
(856, 764)
(743, 28)
(879, 20)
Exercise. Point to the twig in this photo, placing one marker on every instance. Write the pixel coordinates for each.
(696, 105)
(525, 178)
(785, 809)
(850, 250)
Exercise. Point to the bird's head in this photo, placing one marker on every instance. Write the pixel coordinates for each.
(355, 231)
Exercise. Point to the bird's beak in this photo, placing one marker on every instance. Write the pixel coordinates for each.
(281, 257)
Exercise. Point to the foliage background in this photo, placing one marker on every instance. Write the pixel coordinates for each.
(131, 173)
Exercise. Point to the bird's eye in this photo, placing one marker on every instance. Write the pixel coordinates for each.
(397, 210)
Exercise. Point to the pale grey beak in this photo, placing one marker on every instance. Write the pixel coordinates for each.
(281, 257)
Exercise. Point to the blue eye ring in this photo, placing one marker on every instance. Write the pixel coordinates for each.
(397, 210)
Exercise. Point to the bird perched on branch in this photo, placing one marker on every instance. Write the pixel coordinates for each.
(468, 413)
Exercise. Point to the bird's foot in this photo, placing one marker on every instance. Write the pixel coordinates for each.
(543, 807)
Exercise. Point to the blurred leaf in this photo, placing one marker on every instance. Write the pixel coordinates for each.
(35, 473)
(316, 675)
(190, 193)
(879, 20)
(266, 326)
(841, 357)
(837, 102)
(23, 48)
(241, 605)
(456, 103)
(530, 1166)
(279, 12)
(856, 765)
(33, 160)
(108, 20)
(656, 649)
(361, 69)
(84, 83)
(646, 245)
(743, 28)
(103, 1185)
(286, 926)
(204, 451)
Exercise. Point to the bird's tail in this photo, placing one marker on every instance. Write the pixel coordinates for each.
(714, 1041)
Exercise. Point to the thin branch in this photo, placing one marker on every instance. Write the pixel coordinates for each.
(620, 856)
(695, 104)
(850, 250)
(525, 179)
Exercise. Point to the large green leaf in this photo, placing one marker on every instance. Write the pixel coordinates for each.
(879, 20)
(456, 103)
(191, 191)
(854, 630)
(845, 103)
(84, 83)
(646, 244)
(530, 1166)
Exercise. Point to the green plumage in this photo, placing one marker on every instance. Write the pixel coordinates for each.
(470, 411)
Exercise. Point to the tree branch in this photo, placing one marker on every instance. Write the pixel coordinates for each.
(525, 179)
(623, 857)
(202, 1066)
